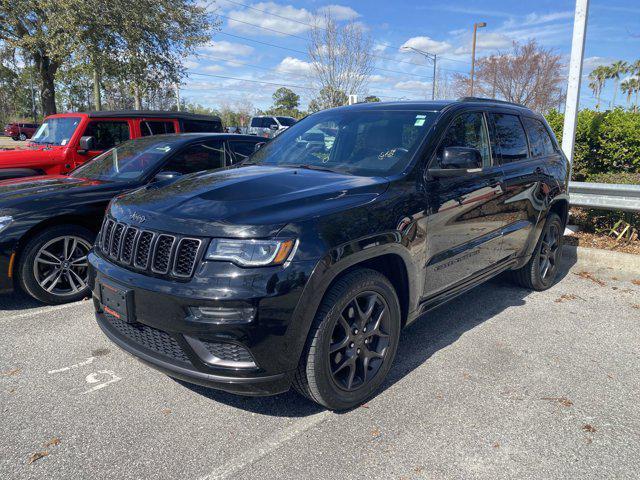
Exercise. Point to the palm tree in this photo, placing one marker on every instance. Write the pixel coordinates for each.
(626, 86)
(597, 79)
(635, 87)
(615, 70)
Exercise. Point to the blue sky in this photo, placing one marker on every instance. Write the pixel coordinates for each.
(266, 42)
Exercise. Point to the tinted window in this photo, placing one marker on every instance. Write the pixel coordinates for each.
(539, 139)
(242, 150)
(202, 126)
(467, 131)
(511, 139)
(195, 158)
(108, 133)
(156, 128)
(286, 121)
(367, 143)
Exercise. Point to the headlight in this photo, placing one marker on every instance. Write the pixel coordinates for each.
(5, 221)
(250, 253)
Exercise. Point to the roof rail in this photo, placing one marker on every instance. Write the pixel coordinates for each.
(488, 100)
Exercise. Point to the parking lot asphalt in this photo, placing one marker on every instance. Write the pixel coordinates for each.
(499, 383)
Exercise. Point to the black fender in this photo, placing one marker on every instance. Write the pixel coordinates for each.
(338, 260)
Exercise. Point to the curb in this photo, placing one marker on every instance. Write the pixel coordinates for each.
(615, 263)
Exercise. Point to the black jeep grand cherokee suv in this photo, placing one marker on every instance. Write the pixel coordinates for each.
(301, 266)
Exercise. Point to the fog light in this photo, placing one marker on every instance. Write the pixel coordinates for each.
(226, 315)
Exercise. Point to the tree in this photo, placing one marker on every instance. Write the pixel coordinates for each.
(286, 99)
(371, 99)
(341, 59)
(627, 87)
(597, 79)
(529, 74)
(328, 97)
(614, 71)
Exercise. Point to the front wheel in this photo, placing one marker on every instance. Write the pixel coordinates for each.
(352, 342)
(541, 270)
(53, 266)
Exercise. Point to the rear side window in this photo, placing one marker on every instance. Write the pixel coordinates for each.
(156, 128)
(539, 139)
(201, 126)
(511, 138)
(107, 133)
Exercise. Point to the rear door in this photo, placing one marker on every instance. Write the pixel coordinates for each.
(523, 196)
(462, 222)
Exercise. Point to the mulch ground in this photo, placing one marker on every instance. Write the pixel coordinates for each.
(592, 240)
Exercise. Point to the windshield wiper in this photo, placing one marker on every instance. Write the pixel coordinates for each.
(306, 166)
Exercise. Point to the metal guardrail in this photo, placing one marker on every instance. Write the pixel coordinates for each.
(607, 196)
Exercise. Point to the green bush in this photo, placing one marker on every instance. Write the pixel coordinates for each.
(606, 142)
(617, 177)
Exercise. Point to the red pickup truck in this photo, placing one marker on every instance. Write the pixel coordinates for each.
(67, 140)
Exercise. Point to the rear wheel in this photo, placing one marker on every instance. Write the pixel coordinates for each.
(53, 266)
(542, 269)
(352, 342)
(22, 137)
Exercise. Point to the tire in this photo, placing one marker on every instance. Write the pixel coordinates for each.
(537, 274)
(37, 274)
(15, 139)
(324, 374)
(22, 137)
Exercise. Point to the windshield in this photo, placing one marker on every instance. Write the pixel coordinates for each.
(366, 143)
(286, 121)
(129, 161)
(56, 131)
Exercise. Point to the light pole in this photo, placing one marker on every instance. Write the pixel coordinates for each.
(432, 57)
(476, 26)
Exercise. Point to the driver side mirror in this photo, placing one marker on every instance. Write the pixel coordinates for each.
(273, 126)
(86, 144)
(166, 175)
(457, 161)
(258, 146)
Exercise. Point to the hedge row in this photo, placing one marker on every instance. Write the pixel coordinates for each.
(606, 143)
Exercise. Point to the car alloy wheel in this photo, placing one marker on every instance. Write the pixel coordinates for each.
(22, 137)
(360, 341)
(60, 266)
(549, 252)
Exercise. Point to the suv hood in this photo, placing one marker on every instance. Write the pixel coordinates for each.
(248, 201)
(24, 157)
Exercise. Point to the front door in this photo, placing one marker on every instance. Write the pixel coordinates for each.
(107, 134)
(462, 226)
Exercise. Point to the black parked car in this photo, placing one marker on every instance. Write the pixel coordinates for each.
(49, 223)
(302, 266)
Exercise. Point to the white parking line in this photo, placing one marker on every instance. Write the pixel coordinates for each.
(88, 361)
(252, 455)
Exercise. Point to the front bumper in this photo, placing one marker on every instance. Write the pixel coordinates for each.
(166, 335)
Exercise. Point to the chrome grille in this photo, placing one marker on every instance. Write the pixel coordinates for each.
(138, 249)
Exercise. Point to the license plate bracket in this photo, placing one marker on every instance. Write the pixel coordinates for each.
(117, 301)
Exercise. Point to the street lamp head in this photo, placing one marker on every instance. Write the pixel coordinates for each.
(481, 24)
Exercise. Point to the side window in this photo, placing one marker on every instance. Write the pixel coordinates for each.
(241, 150)
(201, 126)
(255, 122)
(107, 133)
(468, 131)
(156, 128)
(196, 158)
(511, 138)
(539, 139)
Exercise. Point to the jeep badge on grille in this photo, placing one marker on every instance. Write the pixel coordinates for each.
(136, 217)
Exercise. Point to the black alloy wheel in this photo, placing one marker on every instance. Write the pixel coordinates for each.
(352, 341)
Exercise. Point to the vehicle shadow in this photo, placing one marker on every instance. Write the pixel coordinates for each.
(18, 300)
(432, 332)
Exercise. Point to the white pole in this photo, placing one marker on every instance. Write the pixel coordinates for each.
(177, 85)
(575, 76)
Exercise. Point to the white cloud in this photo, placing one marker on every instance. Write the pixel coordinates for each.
(213, 68)
(188, 63)
(339, 12)
(270, 21)
(413, 85)
(428, 45)
(295, 66)
(377, 78)
(223, 47)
